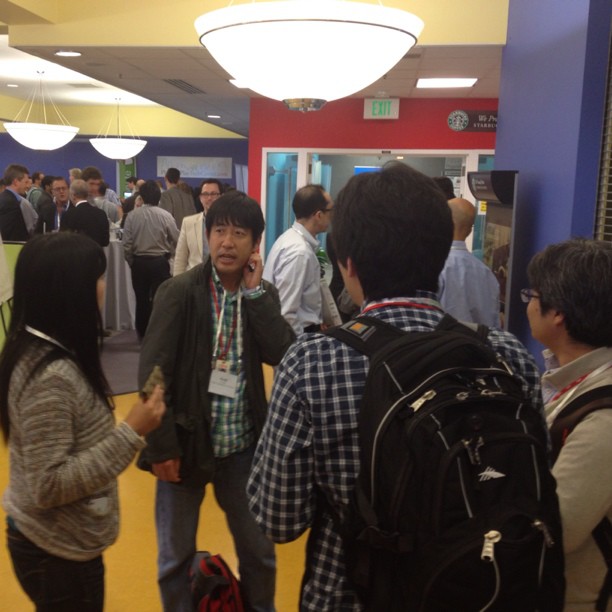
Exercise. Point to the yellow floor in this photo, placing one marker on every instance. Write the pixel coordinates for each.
(130, 562)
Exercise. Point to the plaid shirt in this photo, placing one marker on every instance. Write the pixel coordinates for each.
(232, 426)
(310, 442)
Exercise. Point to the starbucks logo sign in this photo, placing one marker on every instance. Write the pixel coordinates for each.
(458, 120)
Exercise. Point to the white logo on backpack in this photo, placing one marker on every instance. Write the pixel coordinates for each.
(489, 473)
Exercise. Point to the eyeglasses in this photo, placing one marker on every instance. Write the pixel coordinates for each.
(210, 194)
(327, 210)
(59, 189)
(529, 294)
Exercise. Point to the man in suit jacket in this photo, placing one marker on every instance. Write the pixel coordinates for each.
(84, 217)
(12, 224)
(50, 215)
(192, 248)
(178, 203)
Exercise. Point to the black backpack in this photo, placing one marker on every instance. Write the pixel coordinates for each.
(455, 507)
(214, 587)
(599, 398)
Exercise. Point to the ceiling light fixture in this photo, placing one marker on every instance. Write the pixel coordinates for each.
(308, 52)
(62, 53)
(442, 83)
(40, 135)
(119, 147)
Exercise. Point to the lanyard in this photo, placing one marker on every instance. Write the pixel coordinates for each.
(236, 325)
(44, 336)
(426, 304)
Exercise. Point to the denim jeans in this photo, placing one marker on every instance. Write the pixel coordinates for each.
(177, 509)
(55, 584)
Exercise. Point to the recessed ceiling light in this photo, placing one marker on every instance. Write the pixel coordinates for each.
(12, 85)
(214, 116)
(441, 83)
(62, 53)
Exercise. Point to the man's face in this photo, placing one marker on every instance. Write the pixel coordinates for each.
(543, 327)
(59, 189)
(21, 185)
(94, 187)
(325, 215)
(231, 247)
(209, 192)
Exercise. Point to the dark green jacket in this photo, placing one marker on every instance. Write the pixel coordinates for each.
(179, 340)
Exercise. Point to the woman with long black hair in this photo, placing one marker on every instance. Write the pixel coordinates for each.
(65, 449)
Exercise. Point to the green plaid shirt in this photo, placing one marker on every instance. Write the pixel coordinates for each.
(232, 426)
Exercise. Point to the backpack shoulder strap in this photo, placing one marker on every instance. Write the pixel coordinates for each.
(596, 399)
(448, 322)
(602, 534)
(365, 334)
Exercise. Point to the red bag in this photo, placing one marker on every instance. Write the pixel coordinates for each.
(214, 587)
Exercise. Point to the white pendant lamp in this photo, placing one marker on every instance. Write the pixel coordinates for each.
(40, 135)
(308, 52)
(117, 147)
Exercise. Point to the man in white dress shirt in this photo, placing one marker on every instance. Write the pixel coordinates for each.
(292, 265)
(192, 248)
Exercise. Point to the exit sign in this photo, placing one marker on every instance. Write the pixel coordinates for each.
(381, 108)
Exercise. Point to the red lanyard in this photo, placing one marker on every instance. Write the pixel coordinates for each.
(406, 304)
(223, 354)
(568, 387)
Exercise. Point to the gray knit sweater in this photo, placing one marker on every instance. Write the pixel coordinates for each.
(65, 454)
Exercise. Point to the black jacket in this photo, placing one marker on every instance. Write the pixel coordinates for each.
(12, 225)
(89, 220)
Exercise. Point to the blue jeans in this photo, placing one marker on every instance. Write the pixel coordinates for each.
(55, 584)
(177, 509)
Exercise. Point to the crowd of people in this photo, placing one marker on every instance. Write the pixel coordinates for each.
(211, 319)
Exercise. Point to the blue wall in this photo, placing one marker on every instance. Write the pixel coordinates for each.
(550, 125)
(79, 153)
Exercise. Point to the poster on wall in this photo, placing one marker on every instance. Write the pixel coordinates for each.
(196, 167)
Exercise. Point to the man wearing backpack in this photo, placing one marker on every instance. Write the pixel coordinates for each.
(569, 308)
(392, 232)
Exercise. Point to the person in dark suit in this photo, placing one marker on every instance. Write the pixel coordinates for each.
(12, 224)
(50, 214)
(84, 217)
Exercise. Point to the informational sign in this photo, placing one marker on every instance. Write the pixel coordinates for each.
(197, 167)
(472, 121)
(381, 108)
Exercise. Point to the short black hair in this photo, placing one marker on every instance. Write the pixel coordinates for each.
(575, 278)
(91, 172)
(397, 229)
(150, 193)
(238, 209)
(173, 175)
(308, 200)
(47, 180)
(446, 185)
(215, 181)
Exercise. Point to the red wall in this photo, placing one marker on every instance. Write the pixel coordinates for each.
(422, 124)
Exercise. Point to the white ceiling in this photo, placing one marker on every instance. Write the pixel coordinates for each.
(188, 80)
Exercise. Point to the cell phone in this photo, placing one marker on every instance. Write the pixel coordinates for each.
(155, 378)
(251, 267)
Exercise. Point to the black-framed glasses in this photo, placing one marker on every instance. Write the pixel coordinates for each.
(529, 294)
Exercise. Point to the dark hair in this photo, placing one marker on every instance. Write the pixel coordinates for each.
(446, 185)
(103, 187)
(132, 179)
(575, 278)
(36, 175)
(173, 175)
(14, 171)
(396, 227)
(238, 209)
(150, 193)
(47, 180)
(308, 200)
(217, 182)
(91, 172)
(55, 293)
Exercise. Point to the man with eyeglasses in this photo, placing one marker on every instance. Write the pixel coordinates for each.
(50, 216)
(192, 248)
(292, 264)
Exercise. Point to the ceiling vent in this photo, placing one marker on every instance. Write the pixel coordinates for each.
(184, 86)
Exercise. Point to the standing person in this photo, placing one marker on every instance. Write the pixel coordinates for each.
(211, 330)
(65, 449)
(13, 226)
(467, 288)
(149, 242)
(292, 264)
(178, 203)
(36, 189)
(84, 217)
(192, 247)
(392, 233)
(50, 216)
(569, 306)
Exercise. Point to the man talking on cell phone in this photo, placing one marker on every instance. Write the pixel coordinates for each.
(210, 331)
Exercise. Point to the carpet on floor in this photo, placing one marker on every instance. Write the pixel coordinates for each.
(120, 354)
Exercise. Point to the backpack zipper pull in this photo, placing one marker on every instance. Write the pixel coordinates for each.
(424, 398)
(538, 524)
(488, 552)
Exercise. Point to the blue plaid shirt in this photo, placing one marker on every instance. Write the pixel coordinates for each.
(310, 441)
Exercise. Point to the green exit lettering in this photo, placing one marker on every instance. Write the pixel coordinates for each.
(381, 108)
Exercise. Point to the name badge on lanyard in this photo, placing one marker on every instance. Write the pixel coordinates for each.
(222, 381)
